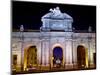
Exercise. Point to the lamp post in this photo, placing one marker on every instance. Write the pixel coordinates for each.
(21, 32)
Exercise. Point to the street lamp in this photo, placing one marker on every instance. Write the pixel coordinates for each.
(21, 31)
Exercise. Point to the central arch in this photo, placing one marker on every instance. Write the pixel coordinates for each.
(57, 56)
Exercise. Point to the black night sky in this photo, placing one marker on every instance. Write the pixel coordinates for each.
(29, 14)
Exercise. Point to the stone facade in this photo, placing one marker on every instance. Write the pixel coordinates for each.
(56, 30)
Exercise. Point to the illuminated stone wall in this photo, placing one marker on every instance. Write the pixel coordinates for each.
(56, 30)
(45, 46)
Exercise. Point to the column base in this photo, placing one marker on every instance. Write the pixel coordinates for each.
(45, 67)
(68, 66)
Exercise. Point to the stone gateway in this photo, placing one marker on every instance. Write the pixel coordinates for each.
(55, 46)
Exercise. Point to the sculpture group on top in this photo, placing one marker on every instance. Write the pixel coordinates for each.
(56, 20)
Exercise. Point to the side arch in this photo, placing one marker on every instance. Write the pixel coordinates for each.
(30, 57)
(81, 56)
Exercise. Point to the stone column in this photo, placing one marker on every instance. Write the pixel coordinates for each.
(42, 53)
(22, 55)
(91, 53)
(39, 52)
(68, 60)
(66, 55)
(45, 52)
(74, 52)
(70, 51)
